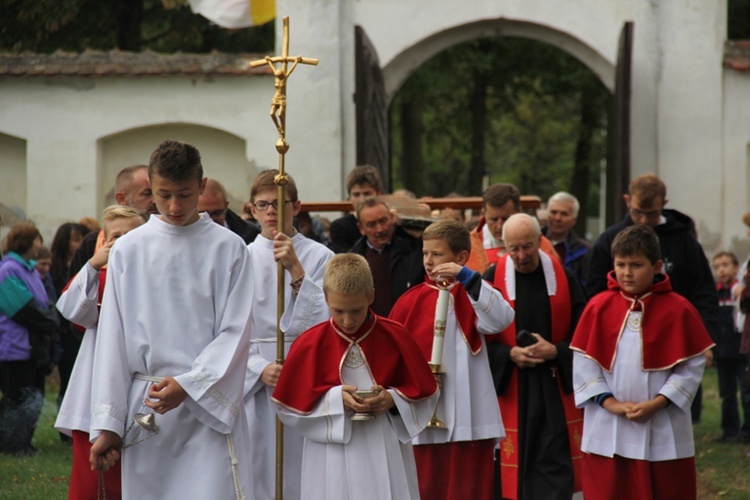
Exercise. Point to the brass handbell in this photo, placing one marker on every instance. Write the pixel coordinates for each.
(147, 421)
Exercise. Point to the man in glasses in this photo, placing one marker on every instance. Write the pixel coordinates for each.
(684, 260)
(214, 201)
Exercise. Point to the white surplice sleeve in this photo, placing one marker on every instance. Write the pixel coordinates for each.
(588, 380)
(494, 314)
(328, 422)
(413, 416)
(78, 303)
(214, 389)
(682, 384)
(308, 308)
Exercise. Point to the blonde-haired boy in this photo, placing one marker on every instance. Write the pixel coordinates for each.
(318, 393)
(468, 405)
(79, 303)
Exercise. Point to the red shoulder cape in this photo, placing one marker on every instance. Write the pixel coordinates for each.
(415, 309)
(671, 329)
(315, 359)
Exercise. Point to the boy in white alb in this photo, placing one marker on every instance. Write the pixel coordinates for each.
(304, 306)
(638, 361)
(177, 321)
(317, 394)
(79, 303)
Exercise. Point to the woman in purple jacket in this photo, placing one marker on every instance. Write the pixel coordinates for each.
(25, 325)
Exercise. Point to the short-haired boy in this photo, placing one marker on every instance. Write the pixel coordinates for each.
(79, 303)
(175, 324)
(638, 361)
(730, 364)
(317, 394)
(304, 261)
(362, 183)
(446, 457)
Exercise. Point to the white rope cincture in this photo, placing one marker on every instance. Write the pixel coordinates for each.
(233, 461)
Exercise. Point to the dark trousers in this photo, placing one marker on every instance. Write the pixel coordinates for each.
(20, 407)
(731, 374)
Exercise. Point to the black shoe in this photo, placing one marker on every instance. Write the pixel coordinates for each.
(742, 437)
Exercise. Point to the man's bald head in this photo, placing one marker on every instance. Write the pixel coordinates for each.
(133, 189)
(214, 201)
(522, 236)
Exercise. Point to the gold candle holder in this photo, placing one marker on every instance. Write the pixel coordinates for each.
(435, 422)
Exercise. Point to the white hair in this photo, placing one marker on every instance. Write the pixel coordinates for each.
(565, 197)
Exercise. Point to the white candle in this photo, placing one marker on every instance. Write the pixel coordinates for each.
(441, 313)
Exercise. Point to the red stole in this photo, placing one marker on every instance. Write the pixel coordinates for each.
(672, 333)
(415, 309)
(316, 358)
(560, 318)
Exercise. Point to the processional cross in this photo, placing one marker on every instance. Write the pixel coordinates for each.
(278, 115)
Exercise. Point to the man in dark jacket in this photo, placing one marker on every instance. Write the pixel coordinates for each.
(684, 260)
(214, 201)
(395, 258)
(574, 251)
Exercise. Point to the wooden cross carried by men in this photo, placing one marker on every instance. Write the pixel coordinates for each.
(278, 115)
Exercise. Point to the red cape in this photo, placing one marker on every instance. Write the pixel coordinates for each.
(315, 359)
(415, 309)
(671, 329)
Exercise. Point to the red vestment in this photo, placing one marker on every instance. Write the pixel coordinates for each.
(663, 331)
(313, 365)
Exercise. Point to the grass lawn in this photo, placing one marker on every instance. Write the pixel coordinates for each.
(722, 468)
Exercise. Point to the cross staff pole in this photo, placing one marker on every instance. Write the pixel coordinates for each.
(278, 115)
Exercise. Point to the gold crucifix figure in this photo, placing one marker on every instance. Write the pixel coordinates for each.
(281, 74)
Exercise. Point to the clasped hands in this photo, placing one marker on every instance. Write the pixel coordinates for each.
(636, 412)
(380, 403)
(534, 355)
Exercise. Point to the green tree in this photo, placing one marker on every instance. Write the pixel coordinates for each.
(508, 110)
(45, 26)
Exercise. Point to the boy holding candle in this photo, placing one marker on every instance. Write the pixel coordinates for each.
(468, 406)
(638, 361)
(317, 394)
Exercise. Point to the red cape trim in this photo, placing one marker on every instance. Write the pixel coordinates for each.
(415, 309)
(671, 328)
(314, 363)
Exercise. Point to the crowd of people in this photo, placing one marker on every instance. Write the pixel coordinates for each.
(550, 366)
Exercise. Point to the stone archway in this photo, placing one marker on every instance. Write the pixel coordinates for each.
(398, 70)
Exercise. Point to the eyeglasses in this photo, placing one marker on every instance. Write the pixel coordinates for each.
(650, 214)
(262, 205)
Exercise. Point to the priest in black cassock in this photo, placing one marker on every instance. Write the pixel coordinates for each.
(532, 368)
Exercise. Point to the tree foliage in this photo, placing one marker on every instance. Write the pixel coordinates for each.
(544, 127)
(167, 26)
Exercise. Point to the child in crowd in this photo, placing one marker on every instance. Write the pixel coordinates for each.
(638, 360)
(447, 456)
(175, 325)
(730, 364)
(357, 445)
(80, 304)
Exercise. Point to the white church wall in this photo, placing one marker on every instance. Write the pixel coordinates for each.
(735, 175)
